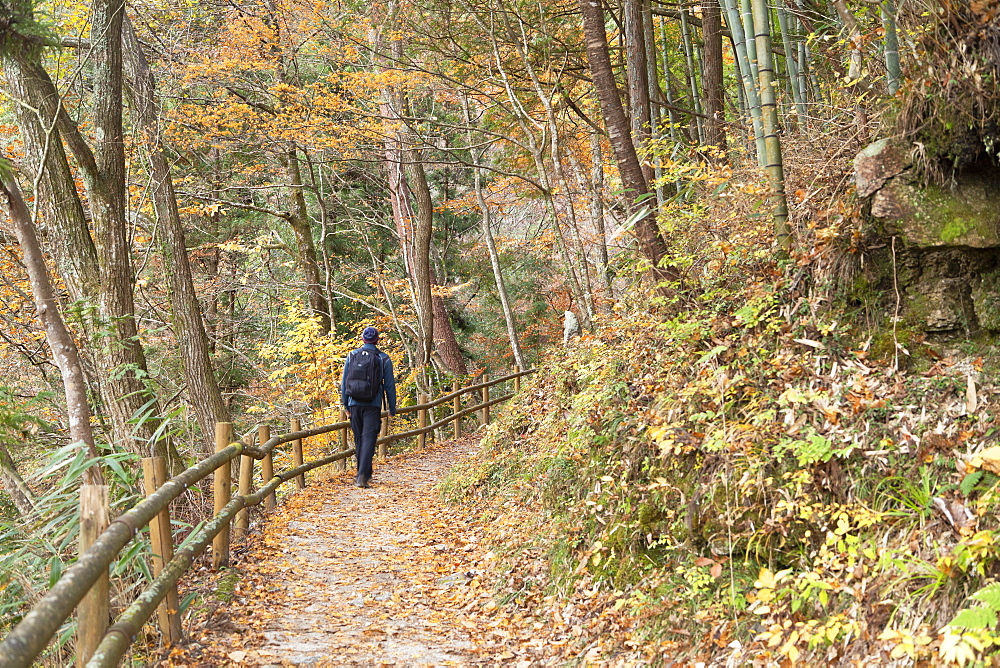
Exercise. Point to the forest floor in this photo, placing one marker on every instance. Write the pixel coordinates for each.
(389, 575)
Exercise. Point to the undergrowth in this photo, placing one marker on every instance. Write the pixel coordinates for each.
(749, 480)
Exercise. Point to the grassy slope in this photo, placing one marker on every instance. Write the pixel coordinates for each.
(745, 481)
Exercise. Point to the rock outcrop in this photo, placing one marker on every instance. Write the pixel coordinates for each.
(949, 237)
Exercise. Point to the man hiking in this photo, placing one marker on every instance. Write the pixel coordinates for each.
(367, 377)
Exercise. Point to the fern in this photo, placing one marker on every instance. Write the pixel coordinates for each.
(974, 619)
(969, 482)
(990, 596)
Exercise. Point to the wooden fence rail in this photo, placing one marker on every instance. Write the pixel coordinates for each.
(40, 624)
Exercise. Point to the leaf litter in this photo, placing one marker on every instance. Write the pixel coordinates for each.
(390, 575)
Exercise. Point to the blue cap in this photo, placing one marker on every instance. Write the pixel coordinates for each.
(370, 335)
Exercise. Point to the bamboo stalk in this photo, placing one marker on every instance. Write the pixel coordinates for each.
(791, 67)
(891, 45)
(748, 77)
(154, 475)
(769, 113)
(300, 481)
(222, 488)
(92, 618)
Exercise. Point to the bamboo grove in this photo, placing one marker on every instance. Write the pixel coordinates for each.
(222, 194)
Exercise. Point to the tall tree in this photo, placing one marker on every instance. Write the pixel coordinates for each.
(714, 103)
(100, 270)
(651, 242)
(60, 339)
(189, 326)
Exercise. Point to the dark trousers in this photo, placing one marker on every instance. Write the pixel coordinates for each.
(366, 422)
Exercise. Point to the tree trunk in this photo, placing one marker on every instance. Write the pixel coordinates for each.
(299, 221)
(637, 75)
(110, 277)
(60, 340)
(14, 484)
(189, 326)
(651, 242)
(508, 312)
(445, 342)
(692, 74)
(715, 124)
(422, 230)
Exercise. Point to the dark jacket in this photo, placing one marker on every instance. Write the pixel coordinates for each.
(388, 384)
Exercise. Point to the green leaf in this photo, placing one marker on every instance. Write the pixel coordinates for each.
(55, 571)
(712, 353)
(976, 618)
(969, 482)
(990, 596)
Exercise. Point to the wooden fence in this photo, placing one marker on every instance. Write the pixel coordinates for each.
(85, 584)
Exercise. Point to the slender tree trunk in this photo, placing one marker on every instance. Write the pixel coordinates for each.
(597, 211)
(585, 293)
(508, 313)
(189, 327)
(692, 75)
(422, 231)
(651, 242)
(715, 124)
(655, 97)
(537, 150)
(58, 336)
(668, 88)
(14, 484)
(120, 354)
(299, 222)
(637, 75)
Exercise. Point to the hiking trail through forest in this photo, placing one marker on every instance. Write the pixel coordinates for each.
(388, 575)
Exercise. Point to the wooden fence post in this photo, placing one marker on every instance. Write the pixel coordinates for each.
(154, 474)
(266, 465)
(456, 406)
(383, 447)
(485, 411)
(92, 613)
(517, 380)
(421, 420)
(223, 488)
(344, 417)
(242, 525)
(300, 480)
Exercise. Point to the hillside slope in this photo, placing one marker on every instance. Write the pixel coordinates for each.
(749, 480)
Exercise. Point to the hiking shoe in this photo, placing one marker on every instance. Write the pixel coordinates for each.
(361, 481)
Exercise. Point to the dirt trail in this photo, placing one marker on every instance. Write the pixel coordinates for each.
(347, 576)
